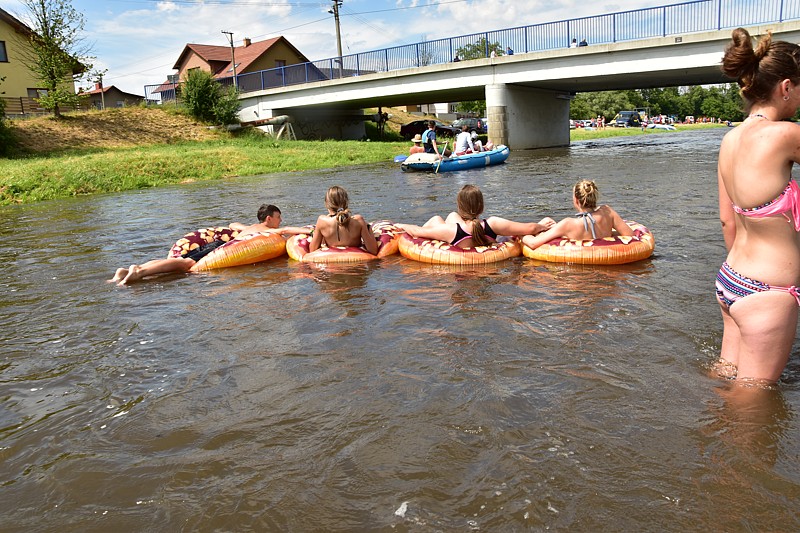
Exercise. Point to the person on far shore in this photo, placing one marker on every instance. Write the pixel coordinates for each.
(341, 228)
(416, 148)
(759, 205)
(509, 51)
(583, 42)
(466, 229)
(591, 222)
(574, 43)
(269, 217)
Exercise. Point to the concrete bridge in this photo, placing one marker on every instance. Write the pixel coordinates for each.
(527, 95)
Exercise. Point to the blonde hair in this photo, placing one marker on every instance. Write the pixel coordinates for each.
(337, 201)
(586, 193)
(759, 70)
(470, 207)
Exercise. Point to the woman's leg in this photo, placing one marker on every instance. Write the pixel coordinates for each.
(157, 266)
(433, 221)
(766, 324)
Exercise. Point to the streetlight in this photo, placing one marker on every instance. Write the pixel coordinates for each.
(335, 11)
(233, 56)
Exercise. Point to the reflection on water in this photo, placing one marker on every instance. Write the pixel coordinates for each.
(282, 396)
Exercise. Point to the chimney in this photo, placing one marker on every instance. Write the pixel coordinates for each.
(246, 42)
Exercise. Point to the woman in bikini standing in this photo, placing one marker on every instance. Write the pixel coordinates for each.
(465, 228)
(759, 207)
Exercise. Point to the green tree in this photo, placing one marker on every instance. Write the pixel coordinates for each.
(58, 53)
(479, 49)
(206, 100)
(6, 135)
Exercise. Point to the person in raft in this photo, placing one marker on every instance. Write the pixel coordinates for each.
(416, 148)
(759, 206)
(591, 222)
(465, 228)
(341, 228)
(269, 217)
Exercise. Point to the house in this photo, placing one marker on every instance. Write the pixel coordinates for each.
(21, 86)
(104, 97)
(250, 57)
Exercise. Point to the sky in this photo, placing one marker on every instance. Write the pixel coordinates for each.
(137, 42)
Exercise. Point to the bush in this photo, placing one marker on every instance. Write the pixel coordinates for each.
(206, 100)
(7, 140)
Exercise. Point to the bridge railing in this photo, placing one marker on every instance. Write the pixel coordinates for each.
(675, 19)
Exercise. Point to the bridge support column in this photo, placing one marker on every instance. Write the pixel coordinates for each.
(524, 118)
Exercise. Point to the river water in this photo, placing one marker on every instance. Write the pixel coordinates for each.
(392, 396)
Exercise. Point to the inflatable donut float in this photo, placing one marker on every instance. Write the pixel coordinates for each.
(444, 253)
(386, 233)
(609, 251)
(245, 250)
(196, 239)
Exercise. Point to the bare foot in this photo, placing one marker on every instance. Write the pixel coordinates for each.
(118, 275)
(134, 273)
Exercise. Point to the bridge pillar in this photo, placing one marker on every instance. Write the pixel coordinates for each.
(523, 118)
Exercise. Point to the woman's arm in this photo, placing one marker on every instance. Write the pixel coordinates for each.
(555, 232)
(316, 238)
(366, 235)
(502, 226)
(727, 217)
(621, 227)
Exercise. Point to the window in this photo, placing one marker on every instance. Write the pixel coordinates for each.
(37, 93)
(280, 63)
(3, 54)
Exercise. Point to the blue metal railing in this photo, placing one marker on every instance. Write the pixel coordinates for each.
(688, 17)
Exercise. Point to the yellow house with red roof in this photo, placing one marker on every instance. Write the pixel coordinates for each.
(21, 86)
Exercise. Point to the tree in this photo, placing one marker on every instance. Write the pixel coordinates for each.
(479, 49)
(58, 53)
(6, 136)
(206, 100)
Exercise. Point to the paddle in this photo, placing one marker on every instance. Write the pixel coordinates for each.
(440, 158)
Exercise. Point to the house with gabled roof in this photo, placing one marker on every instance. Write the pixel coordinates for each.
(21, 86)
(250, 57)
(106, 97)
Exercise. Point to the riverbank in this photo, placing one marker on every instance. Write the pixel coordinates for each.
(135, 148)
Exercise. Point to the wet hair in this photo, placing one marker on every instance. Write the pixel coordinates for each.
(759, 70)
(336, 200)
(267, 210)
(470, 207)
(586, 192)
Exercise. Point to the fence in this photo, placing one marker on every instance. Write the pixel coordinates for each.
(26, 106)
(675, 19)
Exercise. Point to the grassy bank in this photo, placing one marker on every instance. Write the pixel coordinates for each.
(119, 169)
(134, 148)
(580, 134)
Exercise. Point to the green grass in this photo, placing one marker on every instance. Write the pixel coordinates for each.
(579, 134)
(78, 172)
(94, 171)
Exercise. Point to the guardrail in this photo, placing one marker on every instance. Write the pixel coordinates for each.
(674, 19)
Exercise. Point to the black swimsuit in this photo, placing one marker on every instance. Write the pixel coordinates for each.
(461, 234)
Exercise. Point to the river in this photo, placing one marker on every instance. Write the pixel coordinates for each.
(390, 396)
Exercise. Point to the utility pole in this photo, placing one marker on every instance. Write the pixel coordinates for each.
(233, 57)
(335, 11)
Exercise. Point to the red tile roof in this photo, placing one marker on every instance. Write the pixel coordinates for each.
(220, 56)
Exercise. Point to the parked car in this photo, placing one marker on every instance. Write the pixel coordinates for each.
(627, 119)
(478, 125)
(418, 126)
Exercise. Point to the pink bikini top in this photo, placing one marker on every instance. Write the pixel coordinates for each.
(787, 201)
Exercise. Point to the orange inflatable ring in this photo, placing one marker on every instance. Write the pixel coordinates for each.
(444, 253)
(196, 239)
(245, 250)
(386, 233)
(608, 251)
